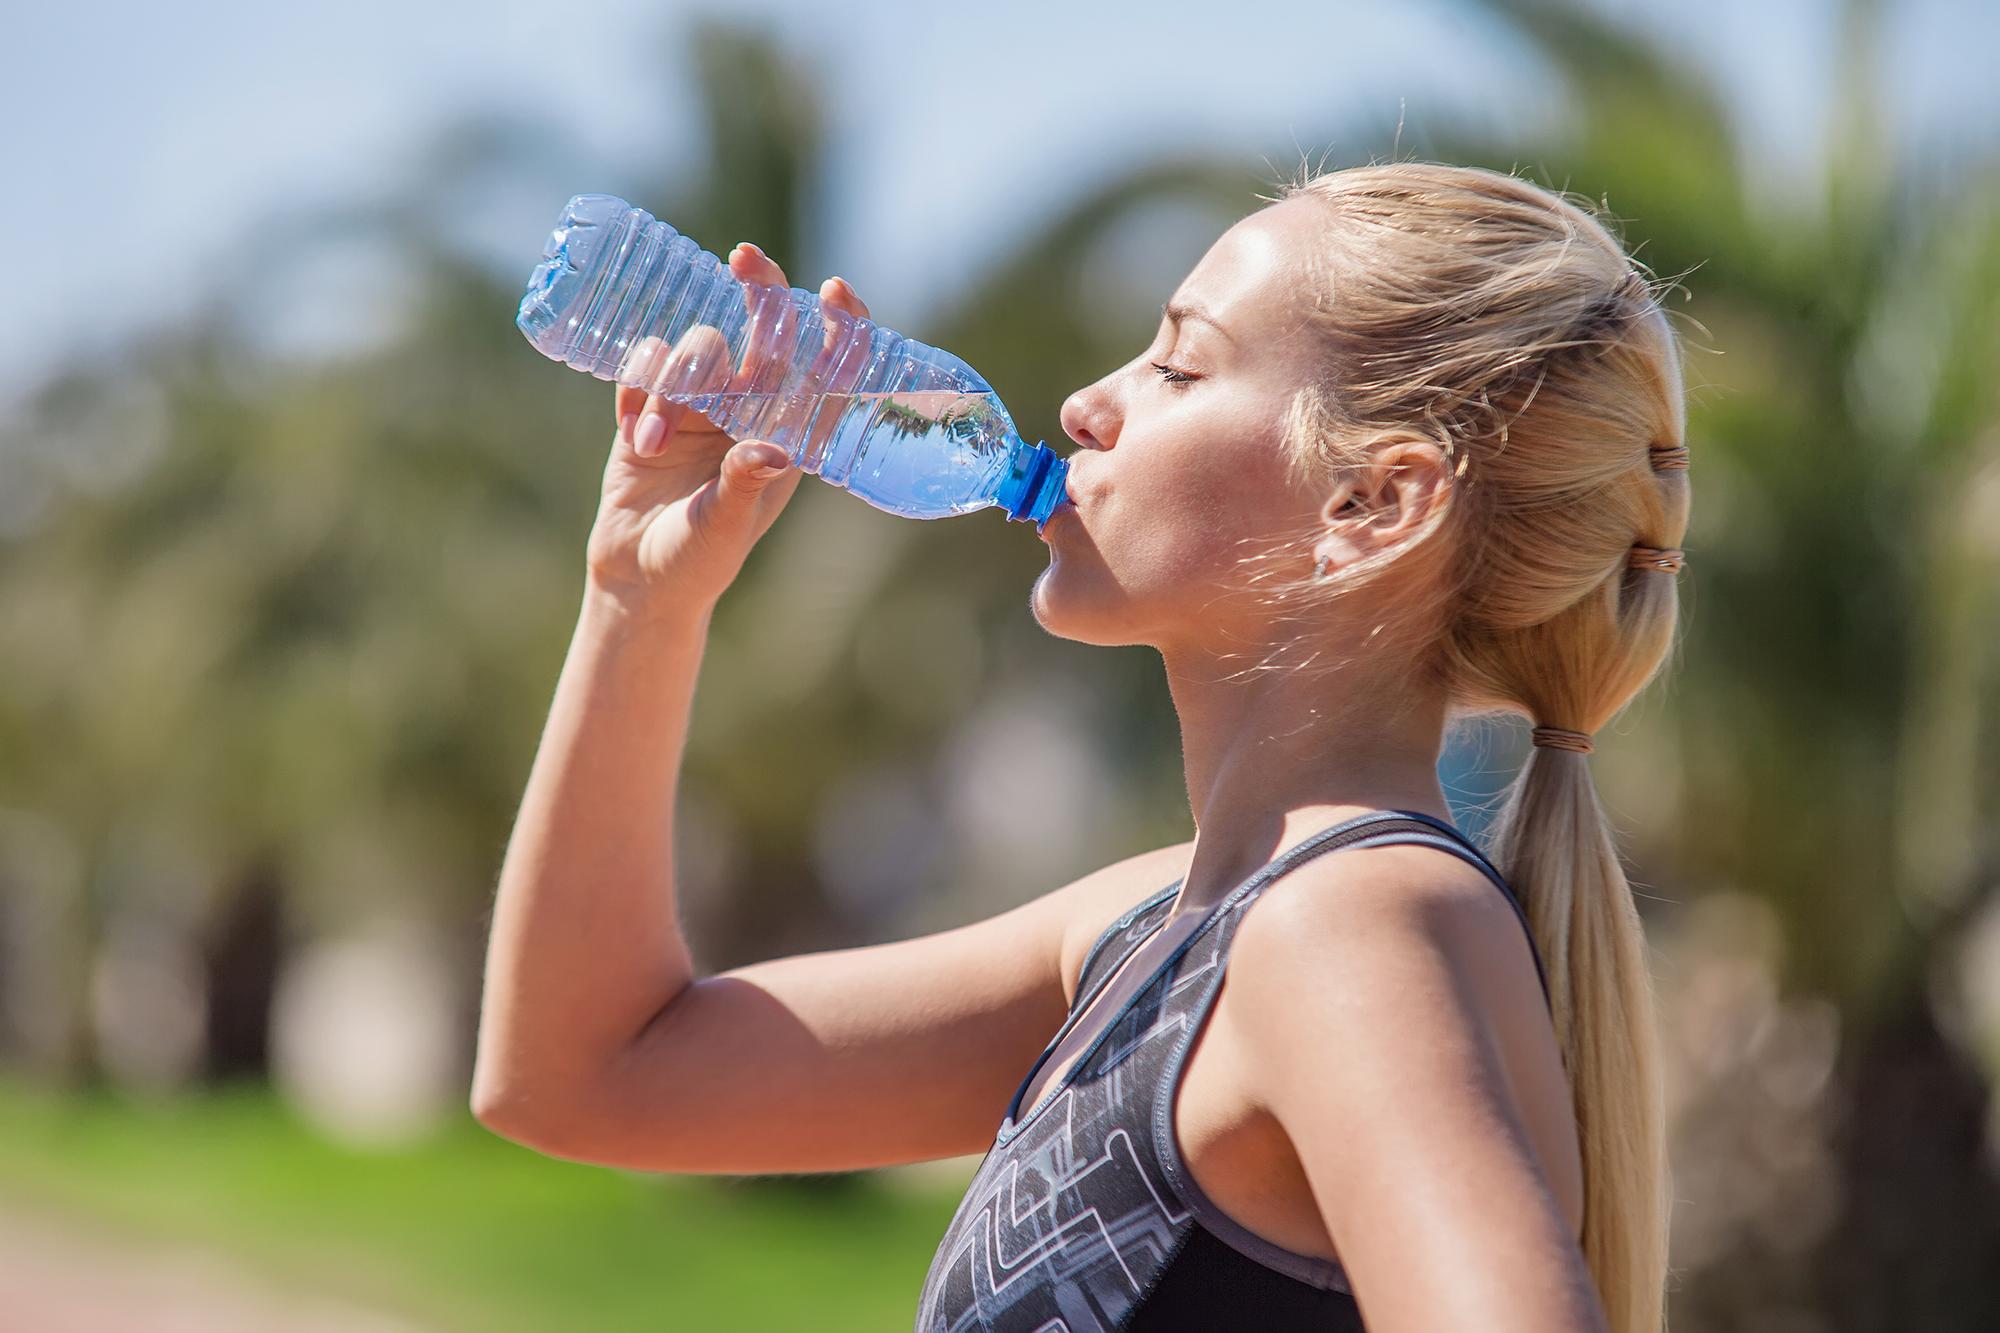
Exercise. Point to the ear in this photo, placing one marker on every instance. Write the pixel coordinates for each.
(1383, 499)
(1346, 500)
(1344, 509)
(1415, 478)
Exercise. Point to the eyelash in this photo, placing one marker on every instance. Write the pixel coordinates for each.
(1172, 376)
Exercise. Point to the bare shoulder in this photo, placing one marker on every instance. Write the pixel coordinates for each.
(1101, 897)
(1379, 914)
(1413, 966)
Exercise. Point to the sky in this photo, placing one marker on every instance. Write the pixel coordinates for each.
(143, 140)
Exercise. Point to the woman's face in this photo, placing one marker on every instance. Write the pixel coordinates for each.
(1181, 450)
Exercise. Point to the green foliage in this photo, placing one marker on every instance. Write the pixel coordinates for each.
(1831, 488)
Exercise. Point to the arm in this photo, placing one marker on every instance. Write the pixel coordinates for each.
(596, 1039)
(597, 1042)
(1379, 1007)
(585, 949)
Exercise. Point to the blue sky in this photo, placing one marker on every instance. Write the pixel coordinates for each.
(142, 137)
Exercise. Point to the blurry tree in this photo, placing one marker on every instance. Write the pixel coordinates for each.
(293, 620)
(295, 615)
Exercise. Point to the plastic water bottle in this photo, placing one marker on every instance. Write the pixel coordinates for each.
(907, 427)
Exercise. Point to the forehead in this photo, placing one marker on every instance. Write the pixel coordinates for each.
(1252, 278)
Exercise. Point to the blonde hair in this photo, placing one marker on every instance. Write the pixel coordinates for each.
(1505, 324)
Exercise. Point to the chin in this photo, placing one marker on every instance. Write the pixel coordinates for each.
(1069, 611)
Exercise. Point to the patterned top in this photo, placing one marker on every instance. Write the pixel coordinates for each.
(1082, 1217)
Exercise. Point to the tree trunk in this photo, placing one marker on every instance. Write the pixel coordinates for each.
(240, 958)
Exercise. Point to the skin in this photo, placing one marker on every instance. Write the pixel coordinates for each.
(1438, 1148)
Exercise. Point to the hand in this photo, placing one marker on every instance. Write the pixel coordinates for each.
(683, 502)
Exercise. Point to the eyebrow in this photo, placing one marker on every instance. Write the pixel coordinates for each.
(1178, 311)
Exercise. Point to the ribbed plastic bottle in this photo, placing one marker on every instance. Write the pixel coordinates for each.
(907, 427)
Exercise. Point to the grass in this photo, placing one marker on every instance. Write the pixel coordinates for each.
(471, 1233)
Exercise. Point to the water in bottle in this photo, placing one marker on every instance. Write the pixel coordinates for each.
(907, 427)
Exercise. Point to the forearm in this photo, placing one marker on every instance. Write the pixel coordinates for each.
(585, 945)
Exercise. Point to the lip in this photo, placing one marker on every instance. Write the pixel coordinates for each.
(1062, 507)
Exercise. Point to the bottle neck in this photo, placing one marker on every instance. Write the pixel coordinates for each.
(1034, 485)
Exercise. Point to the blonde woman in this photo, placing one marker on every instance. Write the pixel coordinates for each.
(1405, 449)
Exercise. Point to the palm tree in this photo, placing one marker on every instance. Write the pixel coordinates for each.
(325, 615)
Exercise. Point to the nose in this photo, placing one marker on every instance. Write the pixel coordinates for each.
(1089, 418)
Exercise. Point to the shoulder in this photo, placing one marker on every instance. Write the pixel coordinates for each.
(1356, 924)
(1386, 1005)
(1388, 1000)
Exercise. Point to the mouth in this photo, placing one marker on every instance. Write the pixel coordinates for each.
(1063, 507)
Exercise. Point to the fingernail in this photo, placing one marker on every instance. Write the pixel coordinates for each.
(751, 246)
(625, 426)
(766, 472)
(648, 437)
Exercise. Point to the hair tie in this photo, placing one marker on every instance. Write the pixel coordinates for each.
(1669, 558)
(1562, 738)
(1669, 457)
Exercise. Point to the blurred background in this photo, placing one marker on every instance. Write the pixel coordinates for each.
(291, 523)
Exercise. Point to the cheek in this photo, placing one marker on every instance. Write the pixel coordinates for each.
(1193, 523)
(1151, 551)
(1184, 497)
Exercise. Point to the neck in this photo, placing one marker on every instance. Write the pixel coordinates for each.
(1277, 756)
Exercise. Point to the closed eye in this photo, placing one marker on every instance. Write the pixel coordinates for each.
(1172, 376)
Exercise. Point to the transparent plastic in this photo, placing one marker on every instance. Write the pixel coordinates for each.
(906, 426)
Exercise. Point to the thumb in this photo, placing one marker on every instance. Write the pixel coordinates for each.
(747, 470)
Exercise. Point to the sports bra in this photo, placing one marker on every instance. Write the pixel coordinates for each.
(1082, 1217)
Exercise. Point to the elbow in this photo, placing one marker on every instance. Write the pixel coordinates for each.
(569, 1125)
(492, 1107)
(501, 1106)
(518, 1110)
(513, 1092)
(558, 1100)
(572, 1129)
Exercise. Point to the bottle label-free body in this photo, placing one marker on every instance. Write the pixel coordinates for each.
(930, 452)
(906, 426)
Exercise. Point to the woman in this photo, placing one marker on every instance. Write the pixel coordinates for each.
(1405, 449)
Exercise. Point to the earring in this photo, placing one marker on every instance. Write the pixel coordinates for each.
(1322, 568)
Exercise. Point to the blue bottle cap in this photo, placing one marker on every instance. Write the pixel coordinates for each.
(1034, 485)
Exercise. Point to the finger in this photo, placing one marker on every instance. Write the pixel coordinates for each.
(844, 356)
(749, 469)
(768, 333)
(635, 373)
(646, 364)
(849, 343)
(842, 307)
(698, 364)
(840, 294)
(751, 264)
(751, 463)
